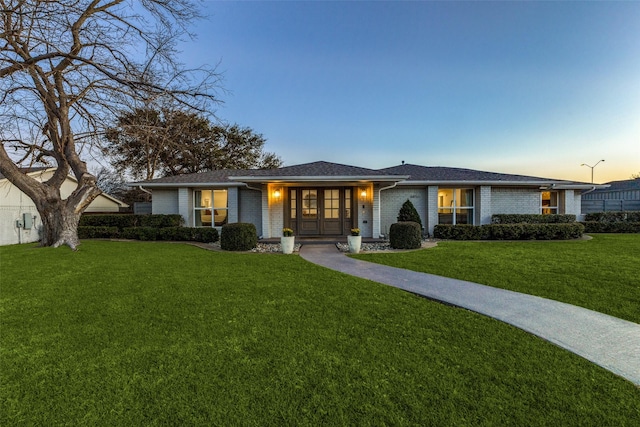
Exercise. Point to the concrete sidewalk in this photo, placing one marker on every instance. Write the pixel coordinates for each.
(607, 341)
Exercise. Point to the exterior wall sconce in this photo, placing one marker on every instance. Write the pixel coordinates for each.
(276, 194)
(363, 194)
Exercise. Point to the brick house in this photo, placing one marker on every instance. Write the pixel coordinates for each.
(328, 199)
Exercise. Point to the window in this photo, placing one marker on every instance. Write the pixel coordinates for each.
(331, 204)
(292, 197)
(455, 206)
(347, 203)
(549, 202)
(210, 208)
(309, 204)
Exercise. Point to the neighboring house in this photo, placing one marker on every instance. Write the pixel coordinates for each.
(19, 218)
(620, 196)
(328, 199)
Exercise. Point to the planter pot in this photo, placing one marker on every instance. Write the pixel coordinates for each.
(287, 243)
(354, 243)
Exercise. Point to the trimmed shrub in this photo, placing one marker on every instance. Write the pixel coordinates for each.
(140, 233)
(405, 235)
(611, 227)
(98, 232)
(460, 232)
(408, 212)
(553, 231)
(189, 234)
(622, 216)
(128, 221)
(531, 219)
(239, 236)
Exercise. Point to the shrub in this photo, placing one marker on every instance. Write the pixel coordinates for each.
(405, 235)
(238, 236)
(189, 234)
(622, 216)
(140, 233)
(98, 232)
(128, 221)
(460, 232)
(408, 212)
(611, 227)
(522, 231)
(531, 219)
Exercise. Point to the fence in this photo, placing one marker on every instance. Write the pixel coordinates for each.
(608, 205)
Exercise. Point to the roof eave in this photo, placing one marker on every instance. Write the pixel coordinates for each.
(350, 178)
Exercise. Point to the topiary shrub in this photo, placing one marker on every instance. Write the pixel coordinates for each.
(128, 220)
(239, 236)
(611, 227)
(405, 235)
(189, 234)
(408, 212)
(618, 216)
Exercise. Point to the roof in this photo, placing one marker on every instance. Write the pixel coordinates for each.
(440, 173)
(625, 185)
(321, 171)
(29, 170)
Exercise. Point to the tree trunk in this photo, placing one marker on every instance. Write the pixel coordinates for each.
(59, 226)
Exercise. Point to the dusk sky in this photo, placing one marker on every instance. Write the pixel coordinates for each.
(532, 88)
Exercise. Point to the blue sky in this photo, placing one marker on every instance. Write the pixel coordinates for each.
(533, 88)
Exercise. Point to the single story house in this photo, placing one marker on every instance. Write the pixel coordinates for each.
(619, 196)
(328, 199)
(19, 218)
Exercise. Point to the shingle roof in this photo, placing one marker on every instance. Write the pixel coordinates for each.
(625, 185)
(439, 173)
(415, 173)
(315, 169)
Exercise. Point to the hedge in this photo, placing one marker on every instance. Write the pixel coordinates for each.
(531, 219)
(622, 216)
(128, 221)
(189, 234)
(405, 235)
(523, 231)
(238, 236)
(611, 227)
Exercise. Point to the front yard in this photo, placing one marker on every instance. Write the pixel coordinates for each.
(133, 333)
(602, 274)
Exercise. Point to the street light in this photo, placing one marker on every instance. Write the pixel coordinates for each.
(584, 164)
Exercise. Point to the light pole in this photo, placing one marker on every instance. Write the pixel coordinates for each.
(592, 167)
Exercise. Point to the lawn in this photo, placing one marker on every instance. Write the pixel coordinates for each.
(134, 333)
(601, 274)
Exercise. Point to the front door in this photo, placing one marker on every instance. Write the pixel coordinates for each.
(319, 211)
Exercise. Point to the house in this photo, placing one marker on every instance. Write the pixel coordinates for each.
(619, 196)
(328, 199)
(19, 218)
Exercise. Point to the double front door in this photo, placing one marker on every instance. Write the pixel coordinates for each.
(320, 211)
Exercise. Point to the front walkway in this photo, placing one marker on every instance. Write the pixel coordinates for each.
(607, 341)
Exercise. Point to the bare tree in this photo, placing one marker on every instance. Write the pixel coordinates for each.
(66, 68)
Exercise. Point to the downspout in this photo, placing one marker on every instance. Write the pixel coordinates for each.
(380, 207)
(146, 191)
(588, 191)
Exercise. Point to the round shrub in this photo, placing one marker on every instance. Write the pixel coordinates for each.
(405, 235)
(239, 236)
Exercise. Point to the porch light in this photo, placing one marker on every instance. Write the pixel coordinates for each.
(276, 194)
(363, 194)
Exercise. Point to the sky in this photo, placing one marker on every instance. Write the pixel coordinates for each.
(530, 88)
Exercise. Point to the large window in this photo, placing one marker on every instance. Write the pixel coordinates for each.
(549, 202)
(455, 206)
(210, 208)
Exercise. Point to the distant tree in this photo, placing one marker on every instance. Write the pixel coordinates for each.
(150, 142)
(635, 175)
(408, 212)
(65, 68)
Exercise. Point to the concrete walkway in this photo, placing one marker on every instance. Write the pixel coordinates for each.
(607, 341)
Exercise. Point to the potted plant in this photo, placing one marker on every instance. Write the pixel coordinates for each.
(287, 241)
(354, 241)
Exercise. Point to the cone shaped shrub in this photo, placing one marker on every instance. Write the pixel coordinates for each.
(408, 212)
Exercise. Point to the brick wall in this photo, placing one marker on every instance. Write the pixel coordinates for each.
(165, 202)
(515, 201)
(250, 207)
(392, 200)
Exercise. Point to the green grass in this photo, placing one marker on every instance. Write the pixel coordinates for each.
(168, 334)
(601, 274)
